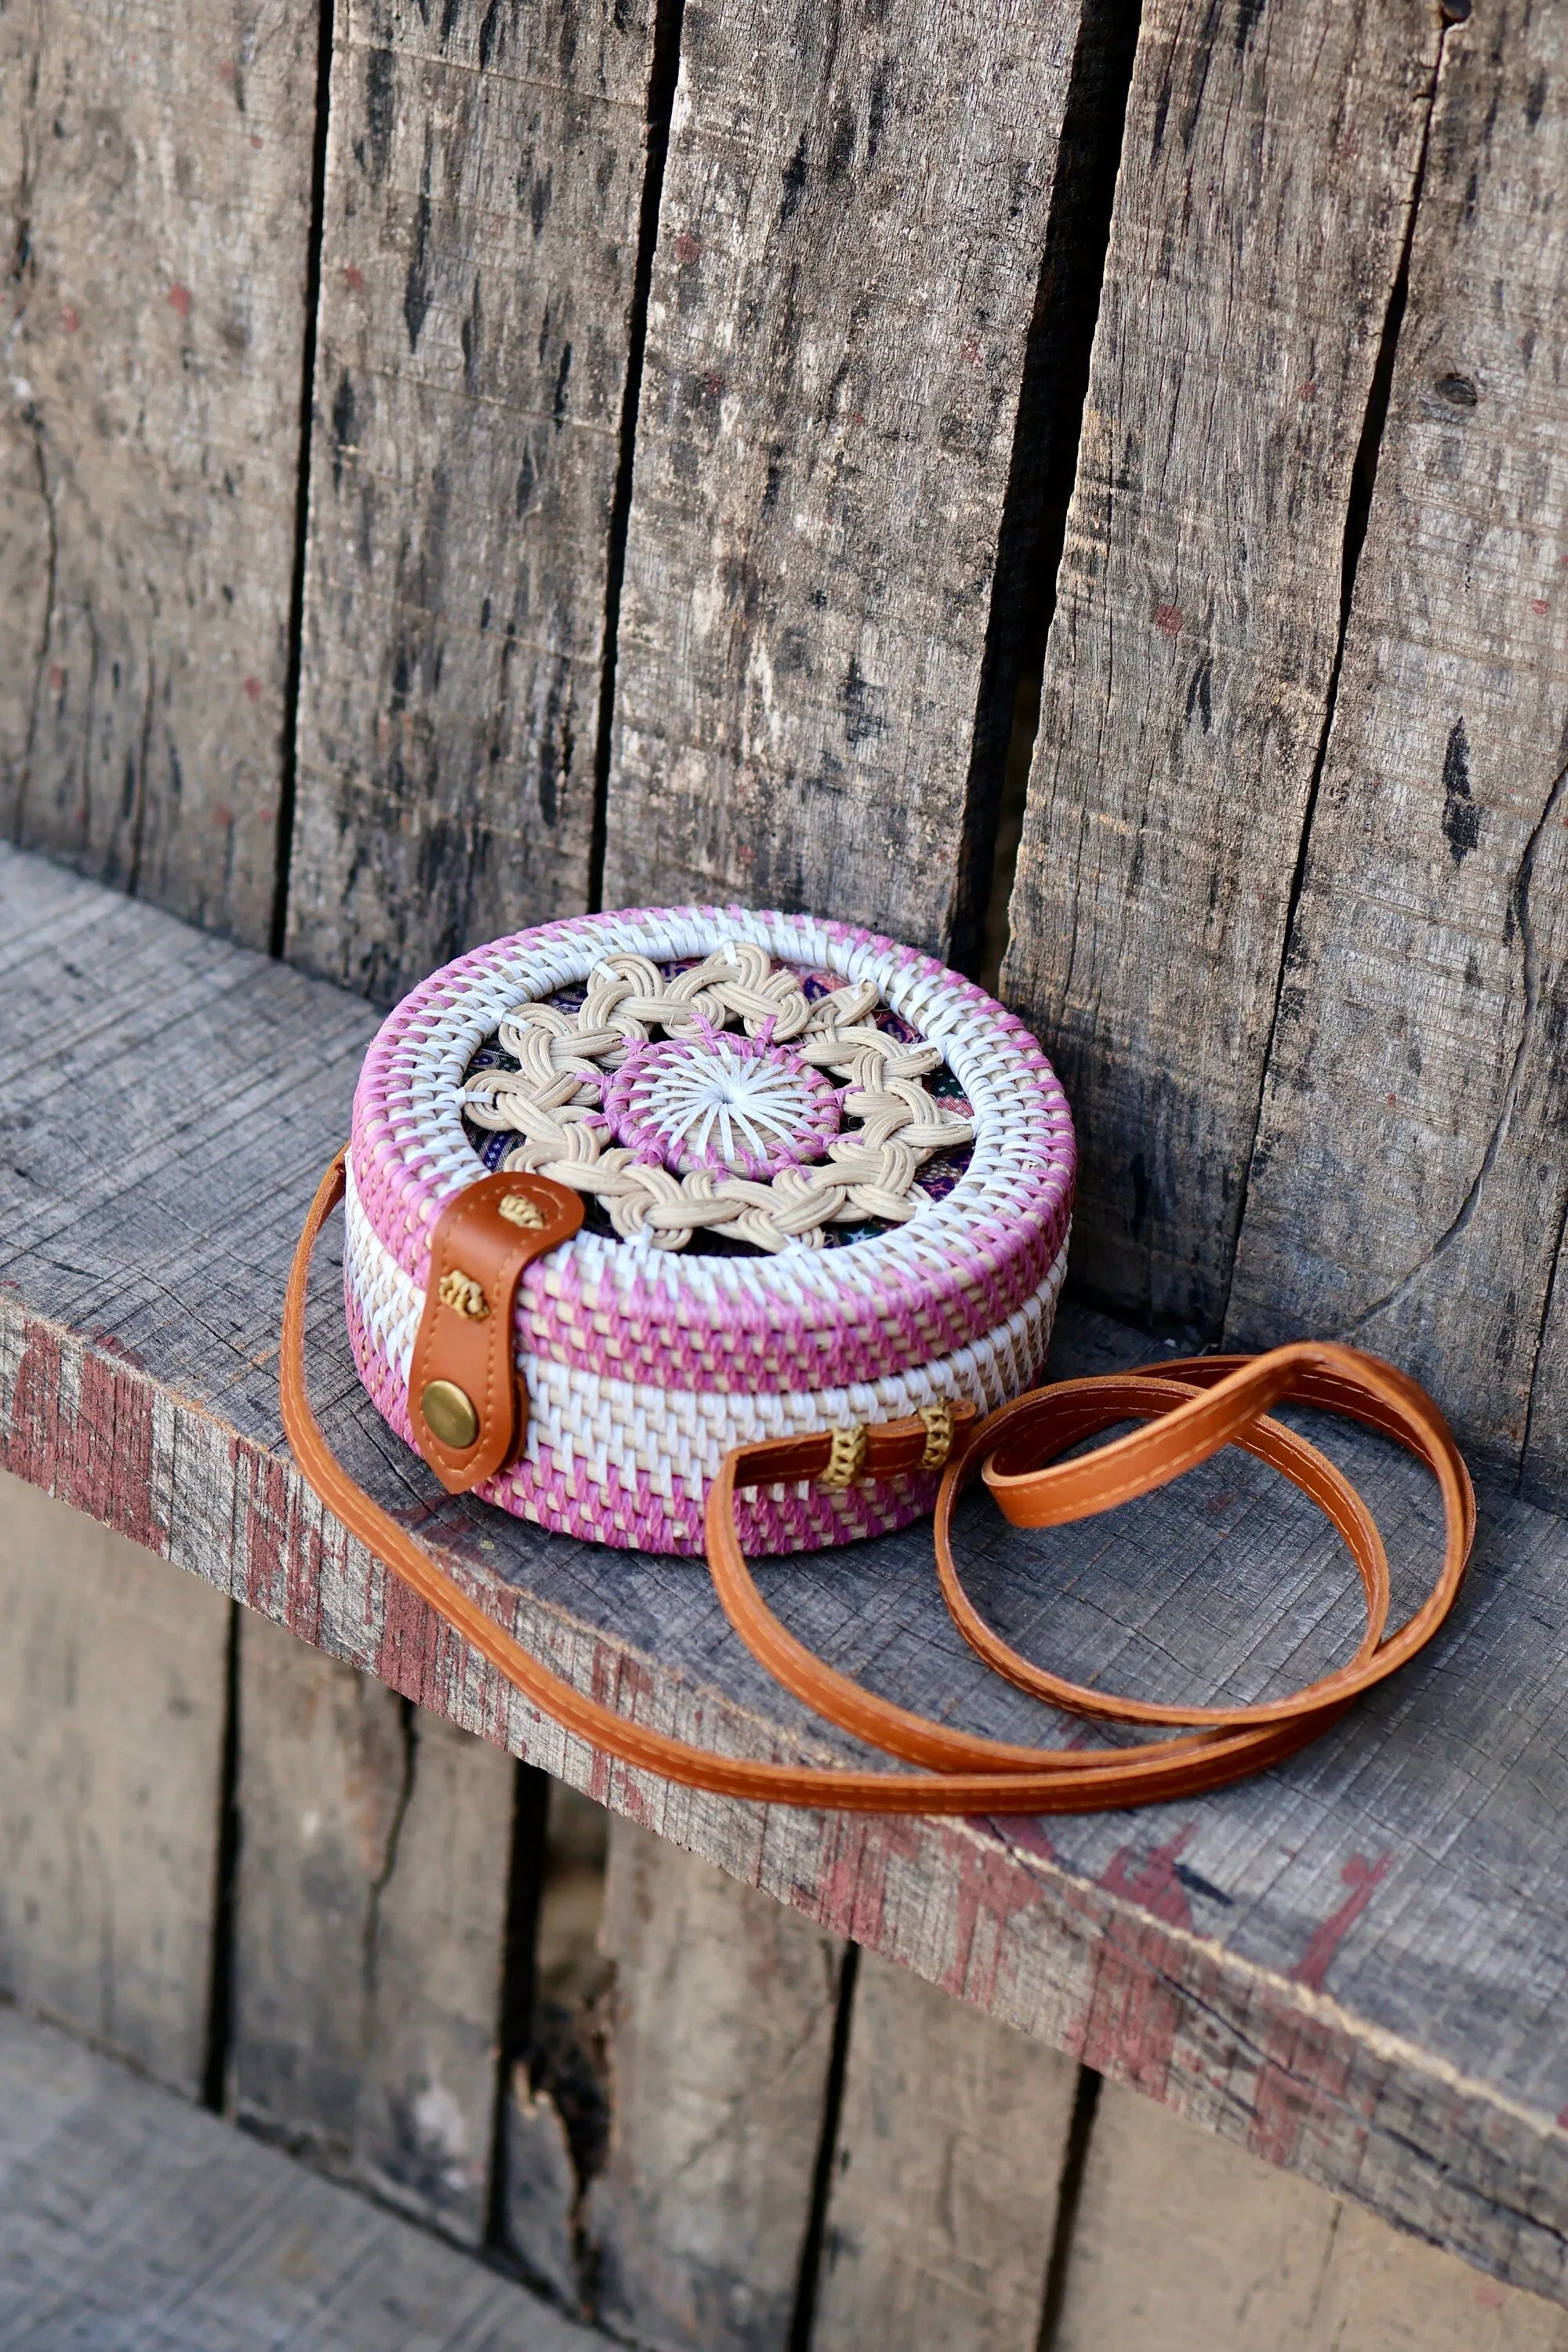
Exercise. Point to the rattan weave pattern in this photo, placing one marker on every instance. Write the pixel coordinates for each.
(646, 1363)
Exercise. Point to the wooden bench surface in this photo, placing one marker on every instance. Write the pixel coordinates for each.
(1352, 1965)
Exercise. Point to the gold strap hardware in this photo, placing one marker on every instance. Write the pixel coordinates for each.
(937, 1419)
(848, 1453)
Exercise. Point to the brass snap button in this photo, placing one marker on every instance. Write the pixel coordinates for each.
(450, 1412)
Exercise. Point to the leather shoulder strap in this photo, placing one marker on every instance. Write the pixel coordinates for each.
(1190, 1410)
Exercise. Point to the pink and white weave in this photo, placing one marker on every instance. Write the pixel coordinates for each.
(646, 1363)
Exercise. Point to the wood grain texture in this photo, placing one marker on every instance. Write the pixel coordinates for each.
(1409, 1183)
(156, 169)
(1182, 2244)
(129, 2219)
(372, 1900)
(484, 178)
(1349, 1965)
(721, 2039)
(853, 213)
(1266, 172)
(945, 2177)
(112, 1696)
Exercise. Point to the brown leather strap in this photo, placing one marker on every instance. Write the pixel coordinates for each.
(1192, 1409)
(463, 1369)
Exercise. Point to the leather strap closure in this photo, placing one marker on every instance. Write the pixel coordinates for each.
(1190, 1410)
(466, 1402)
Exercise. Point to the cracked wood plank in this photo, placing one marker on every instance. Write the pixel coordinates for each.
(1349, 1965)
(854, 214)
(132, 2218)
(155, 216)
(484, 182)
(1267, 168)
(946, 2171)
(720, 2038)
(374, 1839)
(1182, 2244)
(112, 1671)
(1408, 1187)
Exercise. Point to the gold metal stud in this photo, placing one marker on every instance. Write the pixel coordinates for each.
(464, 1296)
(450, 1412)
(848, 1452)
(519, 1210)
(937, 1419)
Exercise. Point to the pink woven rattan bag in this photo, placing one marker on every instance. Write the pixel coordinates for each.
(826, 1182)
(739, 1233)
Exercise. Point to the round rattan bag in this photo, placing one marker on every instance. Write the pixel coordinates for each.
(826, 1182)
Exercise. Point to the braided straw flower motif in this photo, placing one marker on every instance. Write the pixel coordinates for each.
(648, 1098)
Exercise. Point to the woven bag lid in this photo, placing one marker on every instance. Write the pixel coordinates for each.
(809, 1156)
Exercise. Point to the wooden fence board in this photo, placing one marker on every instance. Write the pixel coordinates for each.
(721, 2042)
(129, 2219)
(1344, 1964)
(112, 1696)
(1185, 2245)
(853, 218)
(1409, 1182)
(484, 180)
(1266, 172)
(945, 2177)
(158, 184)
(375, 1840)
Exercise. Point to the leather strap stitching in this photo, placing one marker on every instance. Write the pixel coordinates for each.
(990, 1776)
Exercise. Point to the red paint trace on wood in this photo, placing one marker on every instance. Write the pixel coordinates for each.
(1149, 1878)
(1363, 1878)
(1021, 1829)
(1134, 2012)
(180, 301)
(1168, 620)
(993, 1887)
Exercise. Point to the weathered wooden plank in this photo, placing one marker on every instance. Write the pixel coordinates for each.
(850, 239)
(1185, 2245)
(112, 1694)
(721, 2042)
(157, 189)
(1350, 1964)
(372, 1900)
(484, 180)
(1409, 1185)
(945, 2177)
(128, 2218)
(1266, 172)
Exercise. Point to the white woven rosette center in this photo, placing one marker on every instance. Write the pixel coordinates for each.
(825, 1181)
